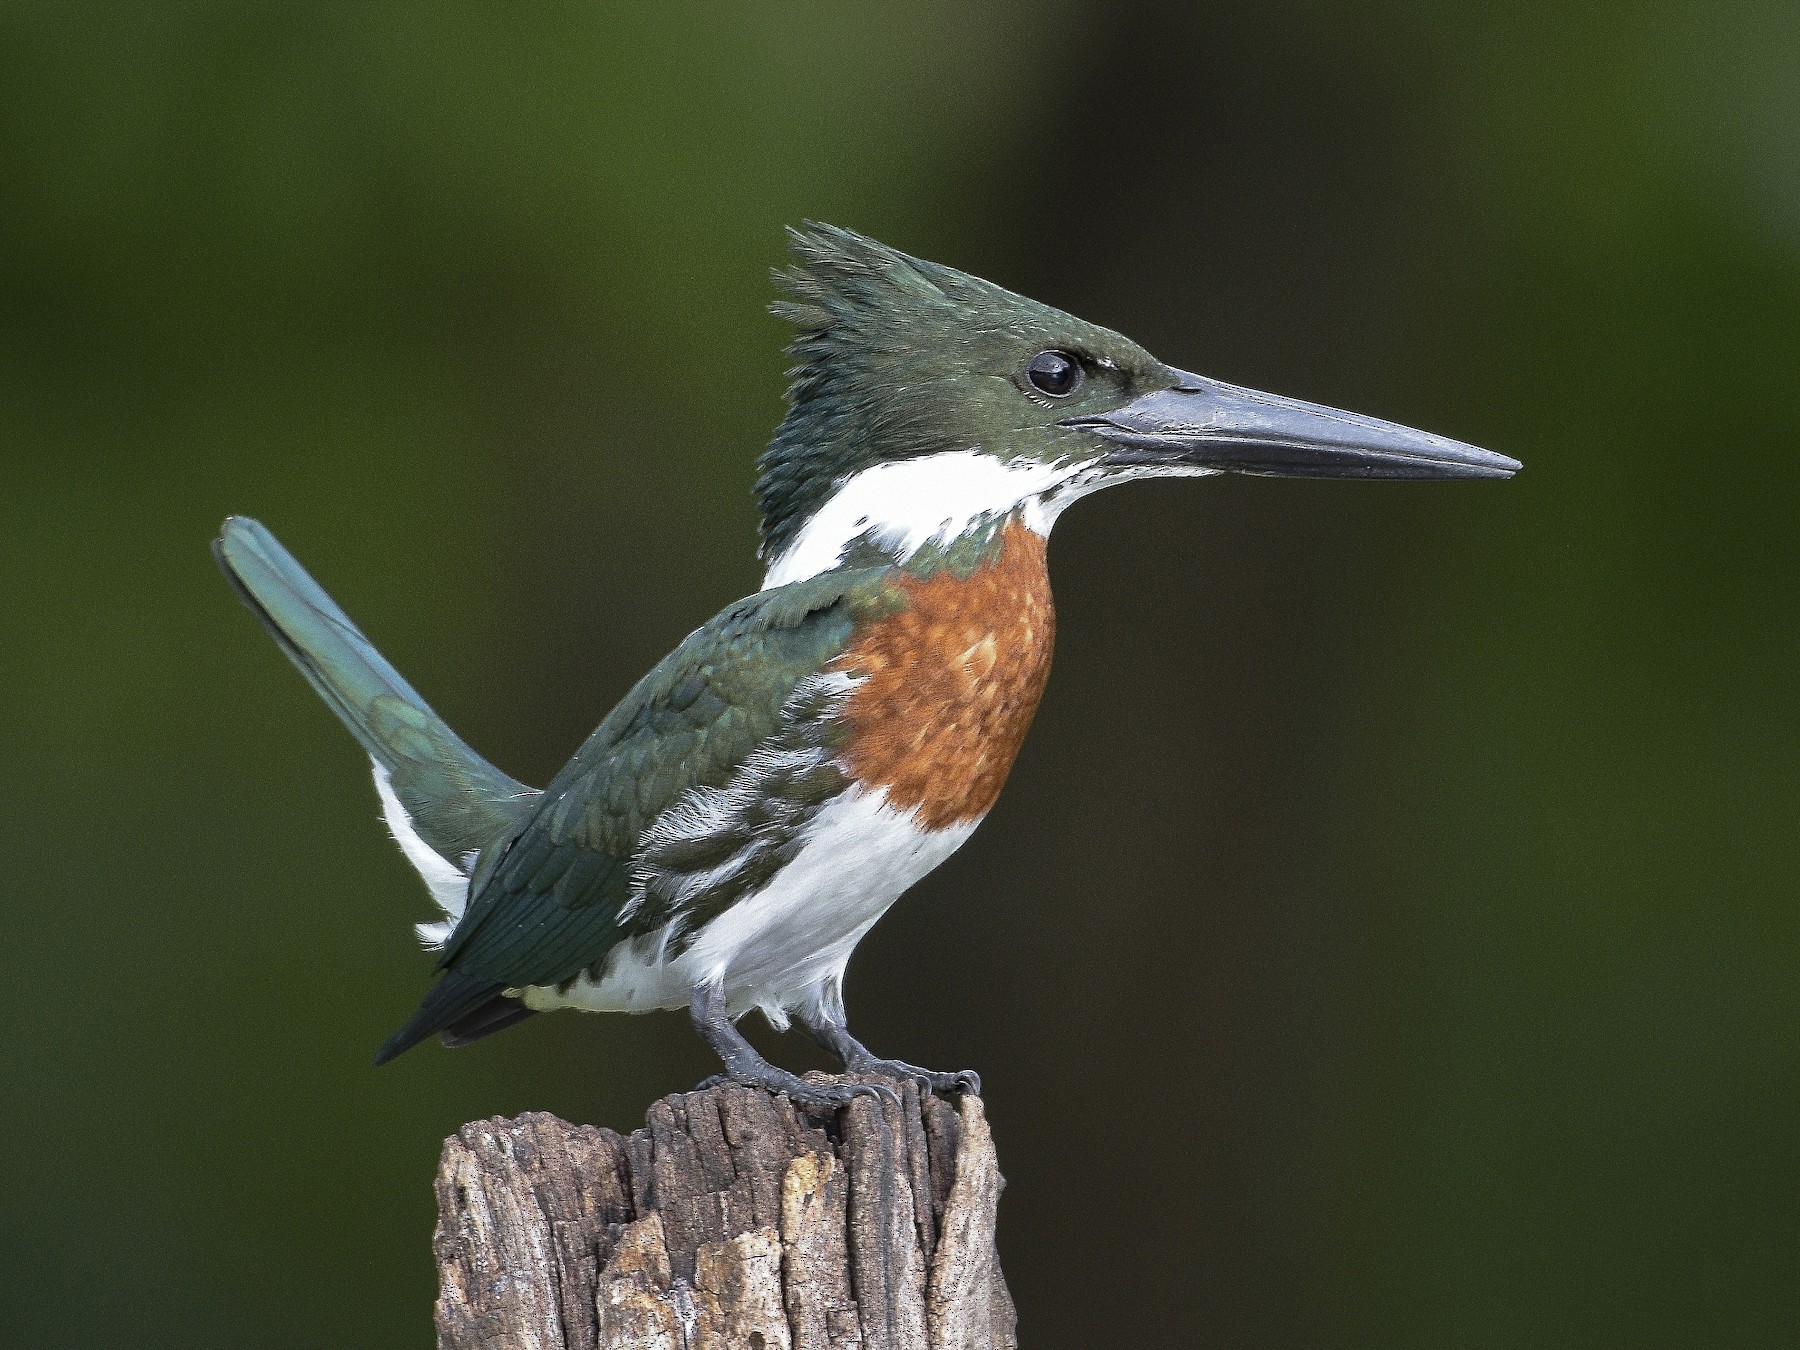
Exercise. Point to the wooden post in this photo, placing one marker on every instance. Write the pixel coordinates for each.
(729, 1220)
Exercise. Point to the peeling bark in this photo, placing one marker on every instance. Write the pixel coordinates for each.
(729, 1220)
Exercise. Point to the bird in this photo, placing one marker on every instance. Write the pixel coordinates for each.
(744, 815)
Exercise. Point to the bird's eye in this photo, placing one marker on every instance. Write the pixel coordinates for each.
(1054, 373)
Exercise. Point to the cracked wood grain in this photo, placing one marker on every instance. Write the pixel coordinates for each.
(729, 1220)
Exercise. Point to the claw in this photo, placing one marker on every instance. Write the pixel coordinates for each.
(965, 1080)
(849, 1092)
(819, 1097)
(836, 1096)
(807, 1096)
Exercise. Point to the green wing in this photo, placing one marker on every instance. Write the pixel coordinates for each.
(559, 898)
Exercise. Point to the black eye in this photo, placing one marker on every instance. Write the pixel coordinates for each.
(1054, 373)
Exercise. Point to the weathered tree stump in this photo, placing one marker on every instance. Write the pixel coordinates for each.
(730, 1220)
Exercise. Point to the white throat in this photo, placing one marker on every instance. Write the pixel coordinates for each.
(906, 504)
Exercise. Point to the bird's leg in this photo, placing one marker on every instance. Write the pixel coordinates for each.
(744, 1065)
(835, 1038)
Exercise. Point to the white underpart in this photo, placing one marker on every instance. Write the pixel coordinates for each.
(448, 884)
(906, 504)
(785, 947)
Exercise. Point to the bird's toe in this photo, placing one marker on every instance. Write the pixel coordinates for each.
(836, 1096)
(928, 1080)
(807, 1094)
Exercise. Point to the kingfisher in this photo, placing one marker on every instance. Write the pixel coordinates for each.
(741, 818)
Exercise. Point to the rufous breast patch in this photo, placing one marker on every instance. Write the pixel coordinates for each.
(950, 683)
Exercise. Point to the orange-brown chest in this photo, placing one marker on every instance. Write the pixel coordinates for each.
(950, 682)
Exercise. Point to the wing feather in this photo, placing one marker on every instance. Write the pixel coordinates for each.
(563, 894)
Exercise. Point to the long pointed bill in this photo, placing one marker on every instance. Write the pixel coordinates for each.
(1203, 423)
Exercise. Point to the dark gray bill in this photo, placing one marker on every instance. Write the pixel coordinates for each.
(1209, 424)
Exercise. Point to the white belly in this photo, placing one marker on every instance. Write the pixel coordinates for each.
(775, 948)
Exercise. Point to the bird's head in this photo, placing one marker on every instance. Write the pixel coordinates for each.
(926, 402)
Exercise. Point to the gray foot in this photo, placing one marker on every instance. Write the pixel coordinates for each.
(808, 1096)
(744, 1066)
(858, 1058)
(821, 1097)
(929, 1080)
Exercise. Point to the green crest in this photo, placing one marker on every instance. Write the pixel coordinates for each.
(898, 358)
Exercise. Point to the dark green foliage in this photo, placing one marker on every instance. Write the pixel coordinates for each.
(897, 357)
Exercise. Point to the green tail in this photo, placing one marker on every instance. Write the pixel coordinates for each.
(458, 801)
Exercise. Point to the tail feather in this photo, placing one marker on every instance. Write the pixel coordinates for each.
(454, 798)
(441, 799)
(454, 999)
(496, 1015)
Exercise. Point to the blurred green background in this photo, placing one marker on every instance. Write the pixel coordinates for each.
(1389, 937)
